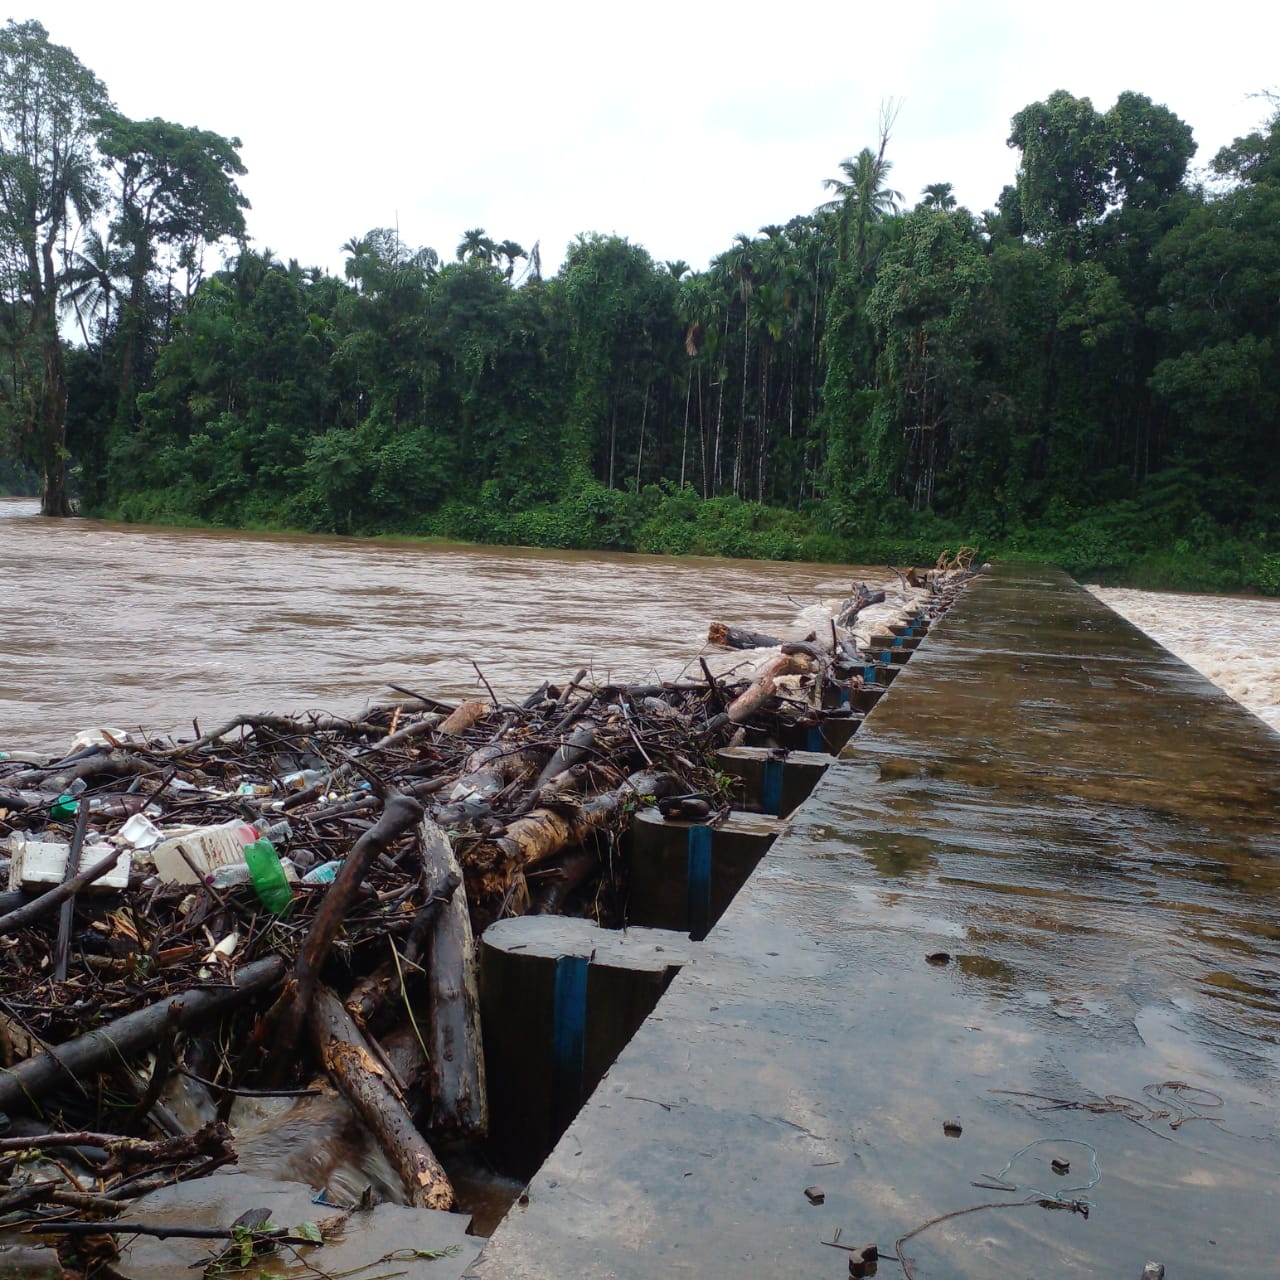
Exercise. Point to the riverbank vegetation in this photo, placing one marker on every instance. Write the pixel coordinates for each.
(1087, 372)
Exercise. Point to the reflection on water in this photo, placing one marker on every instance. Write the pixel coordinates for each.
(118, 625)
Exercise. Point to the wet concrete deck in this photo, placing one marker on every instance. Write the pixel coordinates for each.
(1091, 832)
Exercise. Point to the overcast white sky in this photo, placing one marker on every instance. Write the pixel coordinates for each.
(674, 124)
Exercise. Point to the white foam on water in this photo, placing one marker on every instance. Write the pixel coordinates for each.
(1232, 640)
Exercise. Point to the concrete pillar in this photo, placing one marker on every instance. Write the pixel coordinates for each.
(684, 874)
(559, 999)
(772, 781)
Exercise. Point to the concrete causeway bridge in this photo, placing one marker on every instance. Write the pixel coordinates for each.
(1017, 955)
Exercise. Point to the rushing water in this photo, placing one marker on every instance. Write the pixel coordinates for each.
(124, 626)
(107, 624)
(1230, 639)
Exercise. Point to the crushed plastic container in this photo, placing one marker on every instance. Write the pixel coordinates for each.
(276, 832)
(39, 865)
(233, 874)
(301, 779)
(102, 736)
(123, 806)
(208, 848)
(141, 832)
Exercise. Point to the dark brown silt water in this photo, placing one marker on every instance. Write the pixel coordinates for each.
(122, 626)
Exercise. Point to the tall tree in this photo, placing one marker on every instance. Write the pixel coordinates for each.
(177, 191)
(477, 246)
(863, 197)
(48, 180)
(95, 272)
(938, 195)
(1063, 176)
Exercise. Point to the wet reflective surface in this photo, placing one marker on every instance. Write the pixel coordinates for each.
(1037, 900)
(384, 1241)
(125, 626)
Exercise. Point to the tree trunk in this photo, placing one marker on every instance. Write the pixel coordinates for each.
(283, 1024)
(25, 1083)
(364, 1082)
(454, 1047)
(51, 429)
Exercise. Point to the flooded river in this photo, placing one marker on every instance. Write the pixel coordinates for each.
(124, 626)
(118, 625)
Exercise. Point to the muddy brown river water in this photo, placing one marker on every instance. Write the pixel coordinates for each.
(125, 626)
(1097, 863)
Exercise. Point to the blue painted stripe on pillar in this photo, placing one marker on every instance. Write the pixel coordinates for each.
(869, 673)
(897, 642)
(568, 1036)
(815, 741)
(699, 882)
(772, 787)
(844, 698)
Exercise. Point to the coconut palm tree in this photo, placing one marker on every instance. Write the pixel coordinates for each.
(863, 197)
(510, 250)
(92, 279)
(476, 244)
(938, 195)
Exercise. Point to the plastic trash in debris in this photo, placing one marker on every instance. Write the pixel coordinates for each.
(269, 879)
(207, 848)
(222, 951)
(64, 808)
(230, 875)
(123, 806)
(301, 779)
(276, 832)
(325, 873)
(253, 789)
(102, 736)
(141, 832)
(42, 864)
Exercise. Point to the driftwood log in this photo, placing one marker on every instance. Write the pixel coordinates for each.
(463, 717)
(24, 1084)
(454, 1050)
(747, 703)
(728, 637)
(854, 605)
(545, 832)
(360, 1076)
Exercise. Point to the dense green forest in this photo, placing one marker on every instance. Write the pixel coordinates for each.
(1087, 372)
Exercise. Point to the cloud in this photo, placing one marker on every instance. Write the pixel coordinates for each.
(676, 125)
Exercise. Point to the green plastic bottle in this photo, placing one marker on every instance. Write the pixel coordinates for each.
(268, 876)
(64, 808)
